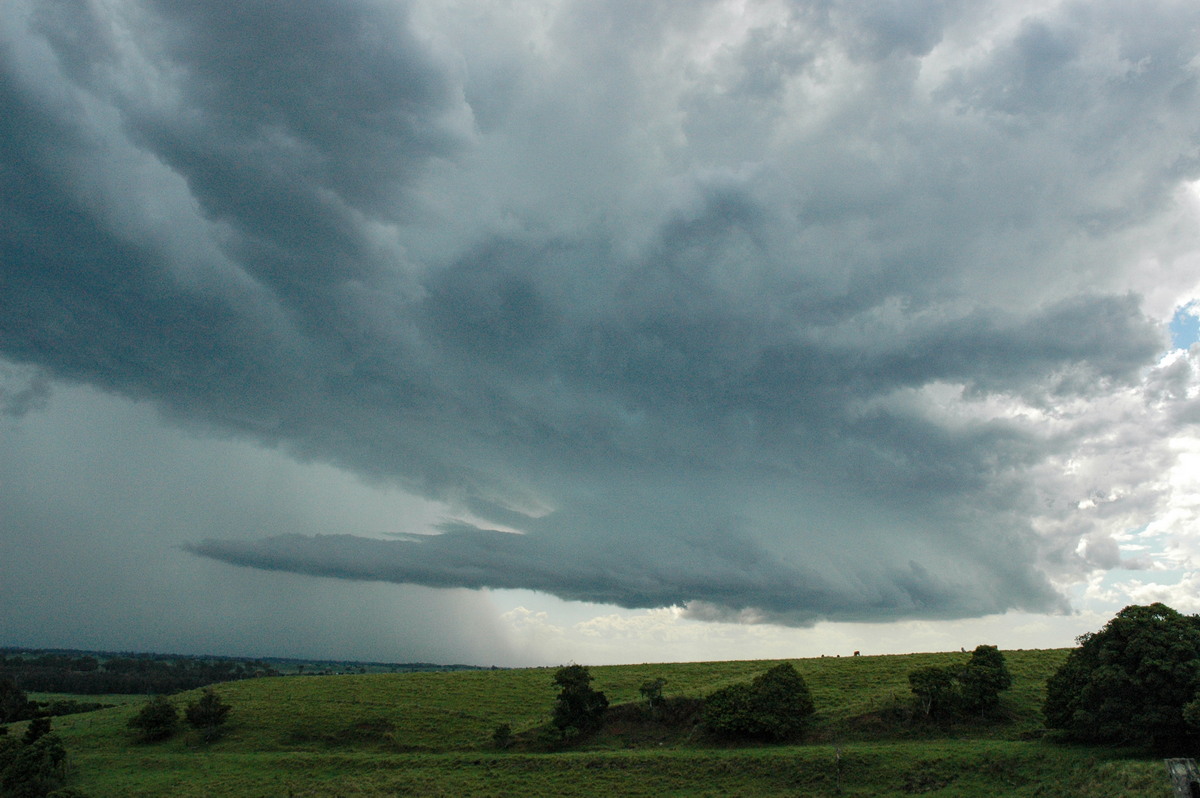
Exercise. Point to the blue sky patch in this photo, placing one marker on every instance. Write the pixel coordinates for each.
(1185, 325)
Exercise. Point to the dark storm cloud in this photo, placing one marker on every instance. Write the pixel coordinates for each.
(730, 336)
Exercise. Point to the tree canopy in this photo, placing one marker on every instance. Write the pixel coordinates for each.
(156, 720)
(958, 690)
(578, 708)
(776, 705)
(207, 714)
(1130, 681)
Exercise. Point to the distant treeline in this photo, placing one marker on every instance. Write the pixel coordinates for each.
(49, 672)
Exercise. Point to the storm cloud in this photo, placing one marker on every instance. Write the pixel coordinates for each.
(783, 312)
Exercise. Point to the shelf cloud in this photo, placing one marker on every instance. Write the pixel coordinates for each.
(777, 312)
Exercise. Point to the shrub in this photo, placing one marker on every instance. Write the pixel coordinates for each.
(156, 720)
(502, 736)
(652, 691)
(934, 690)
(37, 728)
(983, 679)
(776, 705)
(958, 690)
(208, 714)
(578, 708)
(14, 704)
(31, 770)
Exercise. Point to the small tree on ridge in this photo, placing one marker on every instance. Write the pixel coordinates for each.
(578, 708)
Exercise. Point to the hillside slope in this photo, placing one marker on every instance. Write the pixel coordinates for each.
(430, 734)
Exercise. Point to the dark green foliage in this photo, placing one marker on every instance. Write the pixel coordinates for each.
(934, 689)
(156, 720)
(53, 672)
(1191, 715)
(207, 715)
(14, 704)
(31, 769)
(37, 728)
(502, 736)
(578, 708)
(728, 712)
(776, 705)
(652, 691)
(983, 679)
(68, 706)
(951, 691)
(1130, 681)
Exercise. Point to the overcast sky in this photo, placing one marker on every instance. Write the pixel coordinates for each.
(534, 331)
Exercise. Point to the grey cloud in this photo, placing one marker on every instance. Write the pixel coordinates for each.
(688, 334)
(23, 390)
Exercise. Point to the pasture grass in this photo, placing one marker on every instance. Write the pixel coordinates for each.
(430, 734)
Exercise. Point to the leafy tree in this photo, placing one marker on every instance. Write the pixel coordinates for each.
(970, 689)
(934, 689)
(208, 714)
(652, 691)
(983, 679)
(729, 712)
(776, 705)
(1131, 681)
(156, 720)
(578, 708)
(14, 704)
(31, 769)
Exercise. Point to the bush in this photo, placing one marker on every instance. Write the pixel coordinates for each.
(776, 705)
(934, 690)
(959, 690)
(33, 769)
(1131, 681)
(157, 720)
(502, 736)
(578, 708)
(983, 679)
(37, 729)
(14, 704)
(652, 691)
(207, 715)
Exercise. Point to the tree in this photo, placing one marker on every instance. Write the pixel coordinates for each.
(31, 768)
(578, 708)
(934, 689)
(652, 691)
(156, 720)
(776, 705)
(1130, 682)
(954, 690)
(14, 704)
(983, 679)
(208, 714)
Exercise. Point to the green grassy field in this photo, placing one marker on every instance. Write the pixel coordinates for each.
(430, 734)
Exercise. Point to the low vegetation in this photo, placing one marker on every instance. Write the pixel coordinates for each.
(434, 734)
(821, 727)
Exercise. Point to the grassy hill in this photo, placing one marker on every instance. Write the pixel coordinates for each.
(430, 734)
